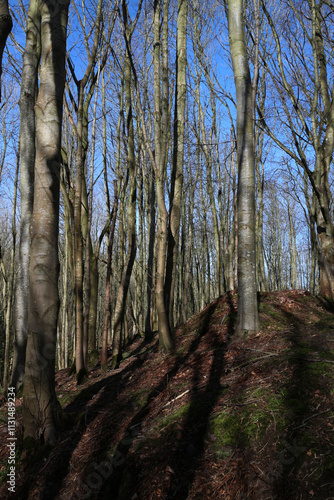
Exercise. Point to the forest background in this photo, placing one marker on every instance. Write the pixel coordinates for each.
(136, 224)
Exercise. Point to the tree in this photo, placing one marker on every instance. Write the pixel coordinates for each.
(305, 100)
(89, 80)
(160, 160)
(31, 59)
(178, 157)
(39, 398)
(248, 318)
(6, 25)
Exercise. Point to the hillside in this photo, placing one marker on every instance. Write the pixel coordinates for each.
(216, 420)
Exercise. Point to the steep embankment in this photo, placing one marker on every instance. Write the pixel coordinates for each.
(214, 421)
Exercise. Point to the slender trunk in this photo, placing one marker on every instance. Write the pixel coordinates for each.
(91, 265)
(10, 291)
(78, 252)
(248, 318)
(292, 249)
(178, 155)
(165, 339)
(150, 258)
(106, 320)
(131, 215)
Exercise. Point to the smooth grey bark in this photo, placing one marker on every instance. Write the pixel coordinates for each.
(165, 338)
(178, 157)
(39, 398)
(248, 317)
(31, 58)
(10, 291)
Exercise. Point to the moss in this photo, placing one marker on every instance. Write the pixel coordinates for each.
(93, 358)
(114, 362)
(257, 411)
(319, 368)
(140, 397)
(65, 399)
(174, 417)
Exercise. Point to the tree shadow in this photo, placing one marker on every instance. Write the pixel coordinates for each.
(298, 442)
(185, 457)
(78, 415)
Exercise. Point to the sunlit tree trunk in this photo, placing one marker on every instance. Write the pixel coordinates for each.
(165, 339)
(248, 318)
(178, 155)
(31, 58)
(10, 292)
(40, 402)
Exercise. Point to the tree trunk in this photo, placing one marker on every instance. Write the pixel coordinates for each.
(6, 25)
(248, 318)
(165, 339)
(106, 320)
(31, 59)
(131, 215)
(151, 209)
(178, 155)
(40, 402)
(10, 291)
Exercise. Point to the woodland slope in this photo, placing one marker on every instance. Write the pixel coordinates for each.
(214, 420)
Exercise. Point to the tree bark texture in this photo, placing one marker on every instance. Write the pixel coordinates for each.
(31, 58)
(165, 339)
(178, 156)
(131, 215)
(40, 401)
(248, 318)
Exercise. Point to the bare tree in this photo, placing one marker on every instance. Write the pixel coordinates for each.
(248, 318)
(39, 397)
(305, 97)
(29, 79)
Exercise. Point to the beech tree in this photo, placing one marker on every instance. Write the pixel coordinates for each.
(248, 317)
(6, 25)
(39, 398)
(131, 167)
(305, 96)
(178, 158)
(29, 79)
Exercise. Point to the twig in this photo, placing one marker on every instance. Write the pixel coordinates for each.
(319, 360)
(249, 361)
(177, 397)
(308, 418)
(265, 352)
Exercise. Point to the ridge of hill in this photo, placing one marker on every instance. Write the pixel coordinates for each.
(214, 420)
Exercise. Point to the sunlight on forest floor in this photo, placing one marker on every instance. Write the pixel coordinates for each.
(252, 420)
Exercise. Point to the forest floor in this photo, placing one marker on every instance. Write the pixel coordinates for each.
(214, 420)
